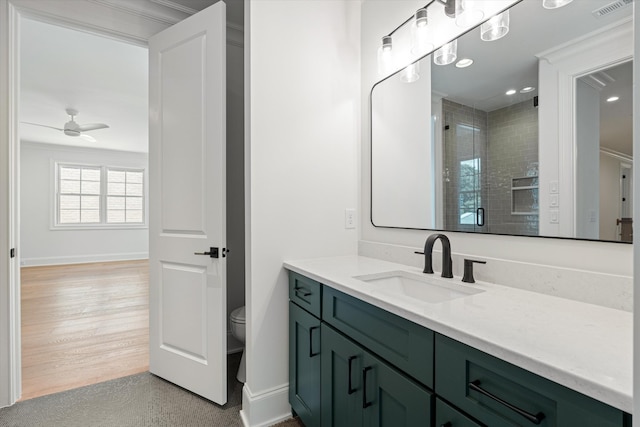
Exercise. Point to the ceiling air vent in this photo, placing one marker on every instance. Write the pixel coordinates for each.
(611, 7)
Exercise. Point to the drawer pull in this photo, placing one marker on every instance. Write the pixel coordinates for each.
(311, 353)
(303, 291)
(350, 389)
(536, 419)
(365, 404)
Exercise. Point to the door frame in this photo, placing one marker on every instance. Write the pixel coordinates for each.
(78, 18)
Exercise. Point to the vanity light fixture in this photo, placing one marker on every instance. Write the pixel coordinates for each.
(467, 13)
(446, 54)
(554, 4)
(464, 63)
(511, 92)
(613, 98)
(527, 89)
(496, 27)
(411, 73)
(385, 55)
(420, 44)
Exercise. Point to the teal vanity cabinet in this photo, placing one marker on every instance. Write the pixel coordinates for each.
(304, 349)
(353, 364)
(342, 370)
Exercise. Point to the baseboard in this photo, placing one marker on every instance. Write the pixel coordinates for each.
(265, 409)
(82, 259)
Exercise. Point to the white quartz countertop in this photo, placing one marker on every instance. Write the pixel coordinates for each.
(585, 347)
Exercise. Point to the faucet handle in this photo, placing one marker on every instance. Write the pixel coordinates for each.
(468, 270)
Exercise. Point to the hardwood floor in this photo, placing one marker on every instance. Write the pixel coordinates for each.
(83, 324)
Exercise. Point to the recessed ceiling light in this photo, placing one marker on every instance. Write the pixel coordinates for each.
(527, 89)
(613, 98)
(511, 92)
(463, 63)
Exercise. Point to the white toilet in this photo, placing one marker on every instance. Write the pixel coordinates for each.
(237, 320)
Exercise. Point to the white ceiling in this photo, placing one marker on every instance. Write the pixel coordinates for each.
(104, 79)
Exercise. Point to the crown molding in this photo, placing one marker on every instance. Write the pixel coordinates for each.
(166, 12)
(147, 9)
(176, 6)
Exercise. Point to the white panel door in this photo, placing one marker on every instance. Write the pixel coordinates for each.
(187, 204)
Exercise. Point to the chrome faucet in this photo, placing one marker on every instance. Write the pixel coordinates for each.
(447, 264)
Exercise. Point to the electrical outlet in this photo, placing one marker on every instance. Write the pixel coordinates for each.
(349, 218)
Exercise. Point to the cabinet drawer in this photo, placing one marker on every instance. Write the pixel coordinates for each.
(305, 292)
(400, 342)
(448, 416)
(498, 393)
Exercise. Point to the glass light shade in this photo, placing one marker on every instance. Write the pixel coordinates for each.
(420, 34)
(554, 4)
(468, 13)
(385, 56)
(496, 27)
(446, 54)
(411, 73)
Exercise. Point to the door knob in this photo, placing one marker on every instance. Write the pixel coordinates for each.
(213, 252)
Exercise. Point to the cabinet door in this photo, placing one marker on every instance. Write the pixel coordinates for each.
(390, 399)
(342, 362)
(304, 365)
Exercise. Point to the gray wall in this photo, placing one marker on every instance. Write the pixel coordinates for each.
(512, 153)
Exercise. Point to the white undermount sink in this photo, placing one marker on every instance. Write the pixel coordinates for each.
(413, 287)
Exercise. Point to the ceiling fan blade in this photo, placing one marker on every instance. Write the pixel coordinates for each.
(92, 126)
(44, 126)
(88, 138)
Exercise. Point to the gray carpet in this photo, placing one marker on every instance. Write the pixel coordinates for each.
(136, 401)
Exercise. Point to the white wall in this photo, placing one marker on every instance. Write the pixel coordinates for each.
(587, 186)
(402, 128)
(43, 245)
(508, 257)
(302, 147)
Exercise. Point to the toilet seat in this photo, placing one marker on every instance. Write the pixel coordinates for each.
(238, 315)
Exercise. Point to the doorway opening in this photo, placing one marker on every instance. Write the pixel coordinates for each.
(83, 208)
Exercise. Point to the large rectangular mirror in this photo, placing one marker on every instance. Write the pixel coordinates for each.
(526, 140)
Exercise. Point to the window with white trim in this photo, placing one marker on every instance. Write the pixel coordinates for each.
(99, 196)
(79, 194)
(125, 196)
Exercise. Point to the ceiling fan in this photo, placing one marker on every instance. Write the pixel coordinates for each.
(71, 128)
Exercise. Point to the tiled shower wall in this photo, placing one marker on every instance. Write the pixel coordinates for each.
(512, 153)
(506, 141)
(465, 138)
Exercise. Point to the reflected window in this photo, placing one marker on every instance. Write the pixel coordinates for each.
(469, 197)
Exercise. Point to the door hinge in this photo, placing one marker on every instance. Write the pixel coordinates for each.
(12, 253)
